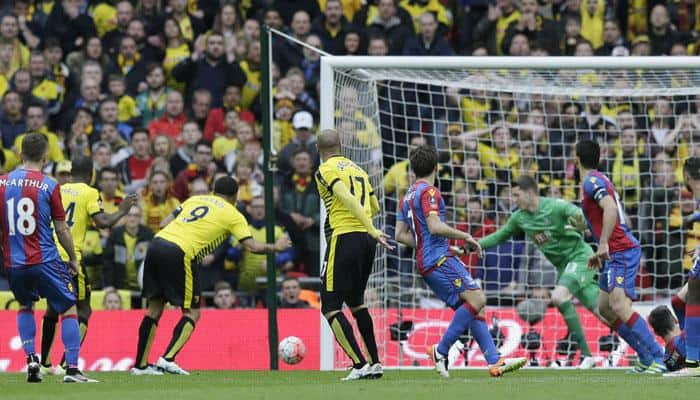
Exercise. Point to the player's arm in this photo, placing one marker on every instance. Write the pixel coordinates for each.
(404, 235)
(353, 205)
(374, 203)
(105, 220)
(170, 217)
(252, 245)
(598, 192)
(609, 218)
(58, 215)
(64, 238)
(573, 215)
(501, 235)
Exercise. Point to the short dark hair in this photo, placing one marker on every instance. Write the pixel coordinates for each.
(139, 131)
(588, 152)
(527, 183)
(34, 147)
(226, 186)
(296, 152)
(290, 279)
(692, 167)
(423, 160)
(661, 320)
(104, 170)
(81, 166)
(202, 142)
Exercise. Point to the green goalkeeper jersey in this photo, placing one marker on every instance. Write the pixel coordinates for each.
(549, 228)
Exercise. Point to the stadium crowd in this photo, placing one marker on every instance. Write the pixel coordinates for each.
(163, 95)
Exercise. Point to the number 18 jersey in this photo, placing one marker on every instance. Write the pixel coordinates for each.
(29, 202)
(202, 223)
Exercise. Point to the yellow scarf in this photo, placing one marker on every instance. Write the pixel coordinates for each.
(126, 65)
(301, 182)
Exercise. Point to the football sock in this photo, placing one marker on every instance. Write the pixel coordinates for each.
(568, 311)
(631, 338)
(82, 325)
(27, 330)
(461, 320)
(181, 334)
(70, 334)
(366, 328)
(641, 329)
(346, 339)
(48, 334)
(678, 306)
(480, 332)
(692, 333)
(147, 331)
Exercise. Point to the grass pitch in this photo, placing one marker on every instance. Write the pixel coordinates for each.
(403, 385)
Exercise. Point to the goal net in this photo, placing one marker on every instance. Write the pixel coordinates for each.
(494, 120)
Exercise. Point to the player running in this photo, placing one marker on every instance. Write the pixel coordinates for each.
(686, 303)
(421, 225)
(192, 231)
(82, 206)
(618, 254)
(352, 242)
(555, 226)
(665, 326)
(31, 202)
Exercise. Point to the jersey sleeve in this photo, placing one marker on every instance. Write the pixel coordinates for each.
(401, 215)
(566, 209)
(327, 176)
(504, 233)
(595, 188)
(430, 200)
(57, 211)
(93, 202)
(239, 227)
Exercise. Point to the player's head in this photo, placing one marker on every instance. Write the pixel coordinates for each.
(525, 192)
(423, 161)
(691, 171)
(588, 154)
(34, 148)
(81, 168)
(227, 188)
(328, 143)
(662, 321)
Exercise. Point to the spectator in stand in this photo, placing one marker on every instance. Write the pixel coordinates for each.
(110, 194)
(172, 121)
(101, 155)
(201, 167)
(124, 251)
(389, 24)
(592, 14)
(288, 54)
(210, 70)
(163, 146)
(128, 63)
(177, 50)
(232, 102)
(149, 52)
(192, 26)
(377, 46)
(36, 123)
(112, 39)
(302, 96)
(251, 69)
(612, 39)
(43, 86)
(535, 27)
(224, 298)
(303, 124)
(151, 102)
(331, 27)
(311, 64)
(226, 141)
(300, 199)
(158, 201)
(128, 112)
(428, 42)
(91, 51)
(119, 147)
(477, 224)
(519, 46)
(282, 126)
(133, 169)
(12, 122)
(9, 32)
(630, 172)
(201, 108)
(289, 298)
(661, 35)
(191, 135)
(492, 30)
(354, 43)
(248, 187)
(112, 301)
(109, 114)
(71, 27)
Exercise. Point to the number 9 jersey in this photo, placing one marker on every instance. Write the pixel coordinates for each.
(202, 223)
(30, 203)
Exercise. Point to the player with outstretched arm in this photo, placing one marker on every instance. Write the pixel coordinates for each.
(421, 225)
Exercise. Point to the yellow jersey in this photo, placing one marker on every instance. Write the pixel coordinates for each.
(202, 223)
(173, 56)
(55, 152)
(81, 202)
(250, 90)
(340, 169)
(154, 213)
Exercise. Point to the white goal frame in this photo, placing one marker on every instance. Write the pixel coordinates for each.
(327, 101)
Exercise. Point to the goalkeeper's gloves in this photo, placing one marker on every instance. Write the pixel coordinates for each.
(577, 223)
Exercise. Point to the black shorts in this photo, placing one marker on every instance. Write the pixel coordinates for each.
(346, 269)
(168, 275)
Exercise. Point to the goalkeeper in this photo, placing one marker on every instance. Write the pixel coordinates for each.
(556, 227)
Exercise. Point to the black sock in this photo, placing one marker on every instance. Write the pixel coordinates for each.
(181, 334)
(147, 332)
(48, 333)
(691, 364)
(366, 328)
(346, 339)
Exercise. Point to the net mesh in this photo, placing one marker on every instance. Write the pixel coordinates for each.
(490, 127)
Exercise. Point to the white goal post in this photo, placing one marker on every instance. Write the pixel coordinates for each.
(387, 96)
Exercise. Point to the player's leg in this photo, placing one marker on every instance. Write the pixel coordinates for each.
(48, 335)
(84, 311)
(692, 321)
(561, 298)
(678, 303)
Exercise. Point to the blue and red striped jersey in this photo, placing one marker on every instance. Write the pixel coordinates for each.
(595, 187)
(421, 200)
(31, 201)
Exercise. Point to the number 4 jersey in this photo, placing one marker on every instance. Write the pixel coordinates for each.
(202, 223)
(30, 203)
(81, 203)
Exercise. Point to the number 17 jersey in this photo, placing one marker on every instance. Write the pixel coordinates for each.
(202, 223)
(29, 202)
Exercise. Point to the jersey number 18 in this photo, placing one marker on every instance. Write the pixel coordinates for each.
(25, 223)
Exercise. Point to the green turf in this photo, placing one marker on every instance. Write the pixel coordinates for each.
(403, 385)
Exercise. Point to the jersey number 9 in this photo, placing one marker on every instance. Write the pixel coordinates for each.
(197, 213)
